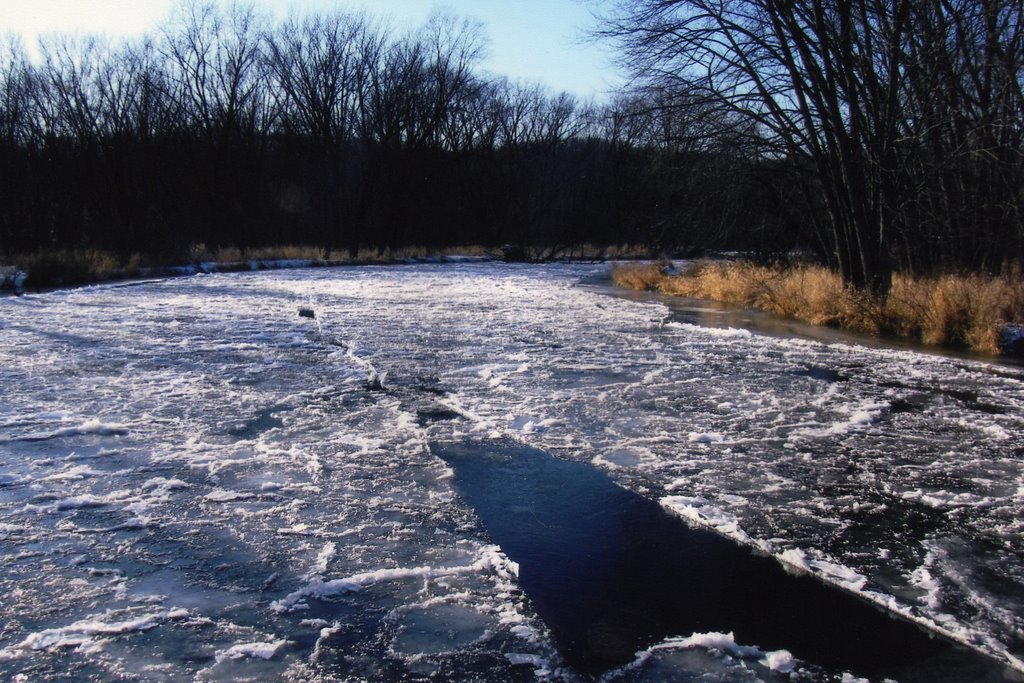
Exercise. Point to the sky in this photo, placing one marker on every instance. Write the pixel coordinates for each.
(532, 40)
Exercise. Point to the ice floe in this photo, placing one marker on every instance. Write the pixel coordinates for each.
(178, 442)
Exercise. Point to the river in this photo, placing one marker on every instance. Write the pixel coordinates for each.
(493, 472)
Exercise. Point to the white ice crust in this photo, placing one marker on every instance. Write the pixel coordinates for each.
(195, 444)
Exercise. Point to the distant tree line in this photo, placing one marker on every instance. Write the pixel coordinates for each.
(875, 134)
(334, 130)
(900, 122)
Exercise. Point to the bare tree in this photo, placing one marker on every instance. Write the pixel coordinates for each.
(330, 129)
(454, 49)
(877, 101)
(965, 105)
(821, 78)
(321, 67)
(15, 94)
(17, 140)
(217, 58)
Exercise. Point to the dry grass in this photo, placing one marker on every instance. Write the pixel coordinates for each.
(287, 252)
(71, 267)
(957, 311)
(967, 311)
(199, 253)
(590, 251)
(400, 254)
(647, 277)
(80, 266)
(620, 251)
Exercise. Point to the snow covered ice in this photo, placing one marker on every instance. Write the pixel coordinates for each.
(199, 483)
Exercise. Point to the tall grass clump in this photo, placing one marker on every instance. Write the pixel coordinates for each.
(957, 310)
(960, 311)
(647, 277)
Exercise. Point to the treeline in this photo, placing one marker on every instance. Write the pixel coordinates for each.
(900, 122)
(334, 130)
(877, 135)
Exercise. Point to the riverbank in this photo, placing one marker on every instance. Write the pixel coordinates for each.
(977, 312)
(72, 267)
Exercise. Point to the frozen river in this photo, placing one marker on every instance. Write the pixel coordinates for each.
(198, 483)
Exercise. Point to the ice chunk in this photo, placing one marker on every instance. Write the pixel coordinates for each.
(519, 658)
(91, 426)
(490, 559)
(322, 559)
(706, 437)
(83, 632)
(225, 496)
(258, 650)
(794, 557)
(702, 513)
(828, 570)
(779, 660)
(726, 642)
(322, 590)
(441, 628)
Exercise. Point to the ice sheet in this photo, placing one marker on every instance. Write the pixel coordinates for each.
(196, 443)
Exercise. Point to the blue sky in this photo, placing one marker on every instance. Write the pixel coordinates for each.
(536, 40)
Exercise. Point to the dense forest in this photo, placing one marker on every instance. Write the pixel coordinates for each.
(333, 130)
(875, 135)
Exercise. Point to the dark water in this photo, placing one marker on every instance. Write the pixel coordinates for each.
(611, 573)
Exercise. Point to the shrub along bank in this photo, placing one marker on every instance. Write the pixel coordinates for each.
(977, 312)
